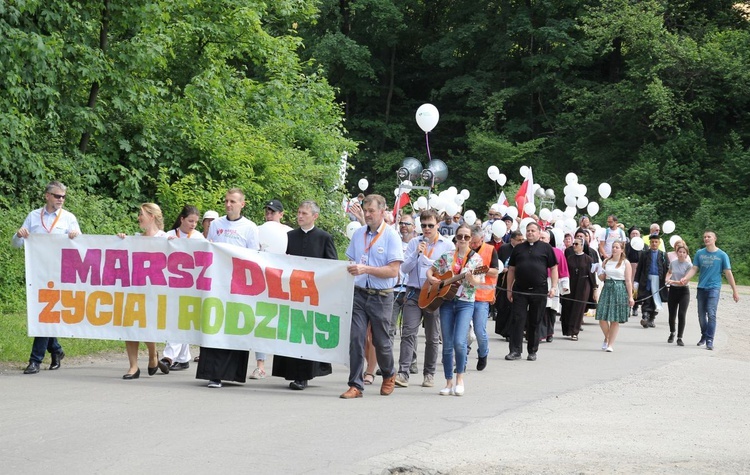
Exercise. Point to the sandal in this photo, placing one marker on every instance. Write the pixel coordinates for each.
(369, 381)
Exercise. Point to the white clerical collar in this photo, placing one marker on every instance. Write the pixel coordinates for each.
(307, 230)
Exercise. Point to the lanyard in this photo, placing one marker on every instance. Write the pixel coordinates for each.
(457, 262)
(41, 218)
(380, 232)
(177, 232)
(431, 247)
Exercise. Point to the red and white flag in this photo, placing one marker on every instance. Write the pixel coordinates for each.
(402, 201)
(525, 194)
(502, 199)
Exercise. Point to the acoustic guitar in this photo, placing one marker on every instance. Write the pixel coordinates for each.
(432, 296)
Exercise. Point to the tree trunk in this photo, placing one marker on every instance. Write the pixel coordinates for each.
(94, 92)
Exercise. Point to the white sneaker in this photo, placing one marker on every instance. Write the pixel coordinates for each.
(459, 391)
(258, 374)
(401, 381)
(447, 391)
(604, 345)
(609, 349)
(214, 383)
(428, 381)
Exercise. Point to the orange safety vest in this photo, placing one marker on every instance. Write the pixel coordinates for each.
(486, 291)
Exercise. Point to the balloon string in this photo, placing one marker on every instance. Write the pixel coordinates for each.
(427, 140)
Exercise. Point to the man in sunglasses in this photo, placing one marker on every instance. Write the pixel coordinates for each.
(407, 232)
(50, 219)
(419, 256)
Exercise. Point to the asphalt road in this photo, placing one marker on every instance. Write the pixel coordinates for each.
(649, 407)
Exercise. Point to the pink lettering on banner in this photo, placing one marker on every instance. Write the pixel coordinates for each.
(149, 265)
(116, 267)
(180, 279)
(240, 270)
(71, 266)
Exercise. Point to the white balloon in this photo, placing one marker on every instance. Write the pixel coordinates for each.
(514, 225)
(605, 190)
(593, 208)
(582, 202)
(529, 208)
(570, 212)
(571, 178)
(570, 200)
(427, 117)
(560, 224)
(557, 214)
(668, 227)
(415, 205)
(452, 208)
(459, 200)
(499, 228)
(272, 237)
(470, 217)
(673, 240)
(545, 214)
(452, 191)
(570, 224)
(351, 227)
(501, 179)
(502, 209)
(437, 203)
(406, 183)
(495, 207)
(493, 172)
(524, 170)
(363, 184)
(417, 224)
(582, 190)
(512, 211)
(465, 193)
(559, 238)
(637, 243)
(422, 202)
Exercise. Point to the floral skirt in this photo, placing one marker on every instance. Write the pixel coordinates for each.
(613, 302)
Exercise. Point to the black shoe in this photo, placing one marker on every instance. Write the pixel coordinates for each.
(135, 375)
(644, 322)
(164, 365)
(56, 359)
(550, 338)
(671, 338)
(32, 368)
(378, 372)
(651, 323)
(679, 342)
(179, 366)
(482, 363)
(531, 357)
(152, 371)
(513, 356)
(298, 385)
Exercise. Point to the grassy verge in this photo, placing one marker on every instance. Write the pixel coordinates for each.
(15, 345)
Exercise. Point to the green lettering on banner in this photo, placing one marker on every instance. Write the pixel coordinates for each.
(302, 326)
(328, 325)
(234, 311)
(212, 306)
(268, 312)
(283, 330)
(189, 313)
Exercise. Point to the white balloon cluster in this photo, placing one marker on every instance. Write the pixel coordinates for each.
(494, 173)
(447, 201)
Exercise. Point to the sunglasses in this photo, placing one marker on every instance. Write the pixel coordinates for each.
(405, 224)
(427, 226)
(59, 197)
(463, 237)
(576, 244)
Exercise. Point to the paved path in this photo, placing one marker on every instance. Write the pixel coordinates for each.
(648, 407)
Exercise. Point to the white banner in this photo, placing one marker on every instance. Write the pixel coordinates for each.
(188, 291)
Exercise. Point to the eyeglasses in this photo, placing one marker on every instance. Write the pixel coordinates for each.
(401, 223)
(59, 197)
(463, 237)
(576, 244)
(427, 226)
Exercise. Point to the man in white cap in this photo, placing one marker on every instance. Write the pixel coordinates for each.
(208, 217)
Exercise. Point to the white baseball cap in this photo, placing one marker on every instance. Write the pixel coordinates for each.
(210, 215)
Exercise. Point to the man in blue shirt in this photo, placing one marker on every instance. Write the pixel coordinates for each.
(375, 256)
(711, 262)
(650, 281)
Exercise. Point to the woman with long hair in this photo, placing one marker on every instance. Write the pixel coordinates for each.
(616, 298)
(456, 314)
(679, 294)
(151, 222)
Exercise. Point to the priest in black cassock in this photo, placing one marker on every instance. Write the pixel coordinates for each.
(307, 241)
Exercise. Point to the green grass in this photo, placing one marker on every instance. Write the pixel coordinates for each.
(15, 345)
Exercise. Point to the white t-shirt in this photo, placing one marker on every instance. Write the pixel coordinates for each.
(180, 235)
(608, 236)
(242, 232)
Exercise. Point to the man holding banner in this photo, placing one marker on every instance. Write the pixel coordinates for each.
(50, 219)
(217, 364)
(306, 241)
(375, 256)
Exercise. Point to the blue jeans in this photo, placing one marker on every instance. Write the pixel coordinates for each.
(708, 302)
(455, 317)
(481, 312)
(41, 345)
